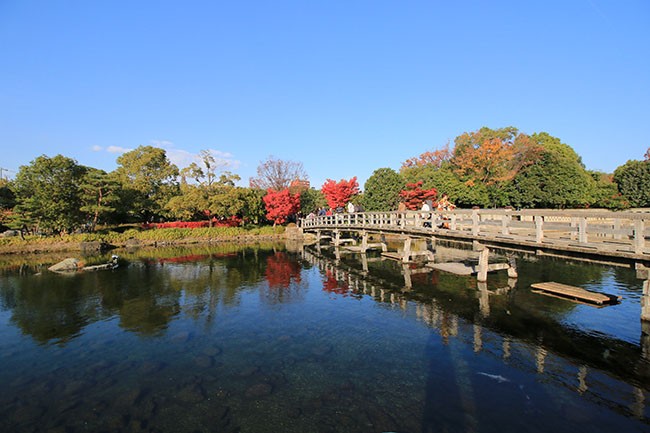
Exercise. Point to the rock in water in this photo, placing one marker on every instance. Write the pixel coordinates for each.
(69, 264)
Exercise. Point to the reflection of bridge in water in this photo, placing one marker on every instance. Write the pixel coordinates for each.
(486, 325)
(614, 237)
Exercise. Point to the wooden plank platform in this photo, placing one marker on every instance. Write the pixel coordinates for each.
(575, 293)
(455, 268)
(391, 255)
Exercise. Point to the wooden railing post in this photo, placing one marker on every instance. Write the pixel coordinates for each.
(639, 237)
(582, 230)
(539, 229)
(505, 223)
(475, 221)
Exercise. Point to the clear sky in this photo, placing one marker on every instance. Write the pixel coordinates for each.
(343, 86)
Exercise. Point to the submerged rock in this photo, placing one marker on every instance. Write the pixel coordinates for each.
(259, 390)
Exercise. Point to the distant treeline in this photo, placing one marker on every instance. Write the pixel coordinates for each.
(486, 168)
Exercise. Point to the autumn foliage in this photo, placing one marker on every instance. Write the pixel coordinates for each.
(281, 270)
(435, 158)
(338, 194)
(413, 196)
(492, 157)
(332, 285)
(233, 221)
(280, 205)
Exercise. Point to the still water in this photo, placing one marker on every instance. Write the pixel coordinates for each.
(257, 339)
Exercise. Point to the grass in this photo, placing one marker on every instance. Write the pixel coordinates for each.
(119, 236)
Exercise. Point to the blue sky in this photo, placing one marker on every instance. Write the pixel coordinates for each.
(345, 87)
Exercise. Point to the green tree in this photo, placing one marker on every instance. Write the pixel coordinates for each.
(557, 179)
(48, 194)
(445, 181)
(311, 200)
(7, 203)
(255, 209)
(190, 205)
(381, 190)
(606, 194)
(633, 180)
(98, 193)
(148, 181)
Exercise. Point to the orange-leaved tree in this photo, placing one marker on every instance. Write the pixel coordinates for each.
(492, 156)
(280, 205)
(413, 196)
(338, 194)
(435, 158)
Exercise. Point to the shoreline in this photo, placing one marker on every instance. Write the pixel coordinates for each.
(27, 247)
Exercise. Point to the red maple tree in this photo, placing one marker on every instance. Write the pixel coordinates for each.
(338, 194)
(413, 196)
(280, 205)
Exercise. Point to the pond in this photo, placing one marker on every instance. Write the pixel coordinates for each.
(275, 338)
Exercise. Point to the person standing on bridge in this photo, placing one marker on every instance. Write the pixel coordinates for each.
(426, 212)
(444, 203)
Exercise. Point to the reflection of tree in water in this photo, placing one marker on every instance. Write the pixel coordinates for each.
(283, 275)
(332, 285)
(141, 296)
(46, 307)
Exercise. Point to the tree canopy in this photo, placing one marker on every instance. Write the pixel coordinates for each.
(148, 181)
(48, 194)
(338, 194)
(381, 190)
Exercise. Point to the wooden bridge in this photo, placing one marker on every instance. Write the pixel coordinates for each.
(602, 236)
(591, 234)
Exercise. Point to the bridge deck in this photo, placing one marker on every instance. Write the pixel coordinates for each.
(620, 235)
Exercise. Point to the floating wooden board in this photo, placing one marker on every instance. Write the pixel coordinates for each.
(575, 293)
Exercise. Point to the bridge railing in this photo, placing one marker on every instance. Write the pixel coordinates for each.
(598, 229)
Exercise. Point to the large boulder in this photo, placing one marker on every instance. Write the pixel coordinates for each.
(9, 233)
(66, 265)
(93, 246)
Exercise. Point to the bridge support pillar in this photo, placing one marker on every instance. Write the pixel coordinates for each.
(406, 255)
(406, 270)
(364, 241)
(512, 270)
(645, 301)
(483, 264)
(337, 238)
(483, 299)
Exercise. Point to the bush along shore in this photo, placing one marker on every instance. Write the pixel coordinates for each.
(137, 237)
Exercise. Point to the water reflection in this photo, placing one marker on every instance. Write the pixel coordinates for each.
(253, 339)
(503, 310)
